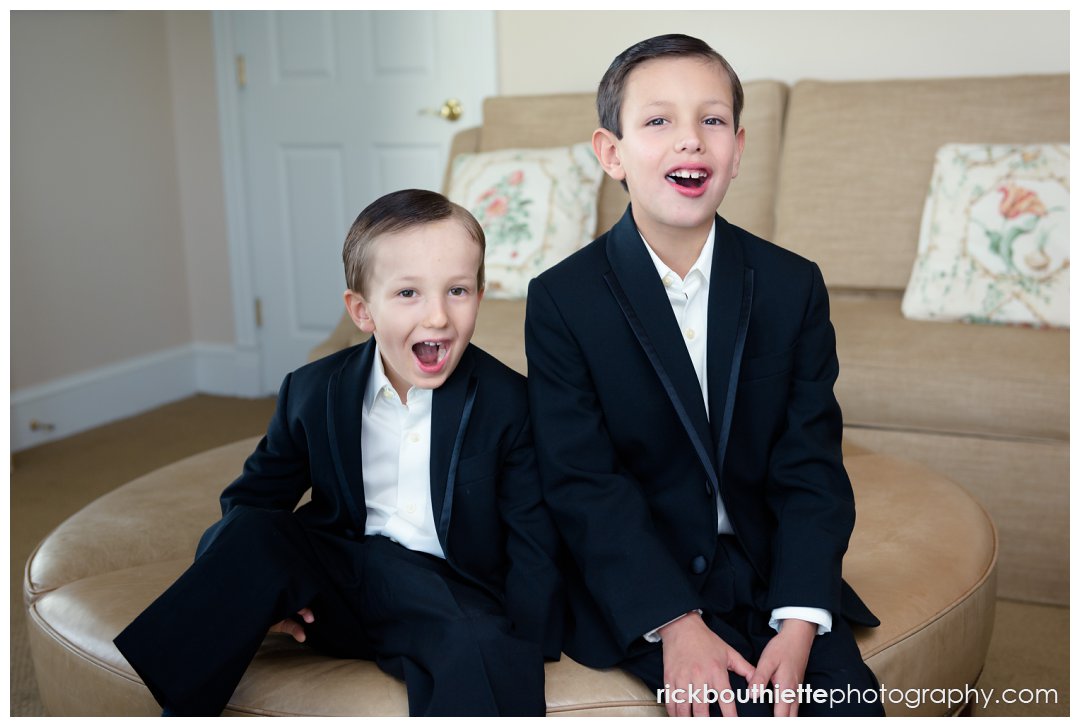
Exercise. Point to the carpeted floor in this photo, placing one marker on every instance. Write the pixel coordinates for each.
(1029, 650)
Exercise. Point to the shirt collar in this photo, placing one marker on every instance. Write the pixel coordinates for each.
(376, 383)
(703, 264)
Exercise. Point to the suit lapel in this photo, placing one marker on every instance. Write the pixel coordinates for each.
(637, 288)
(731, 290)
(451, 406)
(344, 408)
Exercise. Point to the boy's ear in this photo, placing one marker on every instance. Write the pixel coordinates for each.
(358, 310)
(606, 147)
(740, 143)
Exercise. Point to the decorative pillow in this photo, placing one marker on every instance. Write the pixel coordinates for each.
(536, 207)
(994, 243)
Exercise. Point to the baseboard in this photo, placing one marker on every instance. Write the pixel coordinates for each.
(92, 398)
(226, 370)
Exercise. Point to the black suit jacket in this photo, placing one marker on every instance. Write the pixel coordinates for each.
(632, 464)
(485, 488)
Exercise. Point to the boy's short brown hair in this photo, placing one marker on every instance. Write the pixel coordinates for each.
(609, 96)
(395, 212)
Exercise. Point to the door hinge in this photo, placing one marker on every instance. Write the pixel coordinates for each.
(258, 312)
(241, 71)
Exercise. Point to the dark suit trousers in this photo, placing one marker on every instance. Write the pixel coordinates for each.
(735, 612)
(372, 599)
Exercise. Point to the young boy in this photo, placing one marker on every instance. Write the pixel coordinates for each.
(680, 379)
(425, 546)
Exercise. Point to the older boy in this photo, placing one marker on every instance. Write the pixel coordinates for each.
(680, 377)
(425, 545)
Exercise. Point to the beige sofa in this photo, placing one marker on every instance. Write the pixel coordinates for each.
(838, 172)
(985, 406)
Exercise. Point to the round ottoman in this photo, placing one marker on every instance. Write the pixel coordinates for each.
(922, 557)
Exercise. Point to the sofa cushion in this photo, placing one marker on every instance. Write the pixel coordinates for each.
(948, 377)
(500, 330)
(526, 122)
(994, 241)
(536, 207)
(858, 157)
(904, 374)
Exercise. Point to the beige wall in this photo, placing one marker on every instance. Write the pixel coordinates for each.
(198, 159)
(97, 257)
(556, 51)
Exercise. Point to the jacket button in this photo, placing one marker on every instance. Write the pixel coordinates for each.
(350, 533)
(708, 489)
(698, 565)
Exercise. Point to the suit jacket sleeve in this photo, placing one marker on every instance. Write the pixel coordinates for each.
(598, 506)
(808, 489)
(276, 475)
(534, 587)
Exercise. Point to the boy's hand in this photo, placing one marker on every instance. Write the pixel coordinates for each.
(693, 654)
(783, 663)
(292, 628)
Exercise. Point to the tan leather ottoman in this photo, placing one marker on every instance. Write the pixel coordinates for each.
(922, 556)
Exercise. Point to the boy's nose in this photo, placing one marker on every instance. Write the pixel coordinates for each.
(690, 142)
(690, 139)
(436, 314)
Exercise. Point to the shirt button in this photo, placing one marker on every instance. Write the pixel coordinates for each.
(414, 437)
(667, 280)
(387, 393)
(690, 334)
(410, 508)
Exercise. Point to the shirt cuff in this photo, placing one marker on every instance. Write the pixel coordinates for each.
(819, 616)
(653, 637)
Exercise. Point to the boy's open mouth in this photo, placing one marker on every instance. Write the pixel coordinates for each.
(690, 178)
(430, 353)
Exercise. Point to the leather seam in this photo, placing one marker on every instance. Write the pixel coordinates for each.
(56, 636)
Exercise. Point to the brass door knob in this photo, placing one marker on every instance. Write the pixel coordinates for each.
(450, 110)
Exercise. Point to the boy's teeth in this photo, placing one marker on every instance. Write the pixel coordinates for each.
(693, 178)
(429, 352)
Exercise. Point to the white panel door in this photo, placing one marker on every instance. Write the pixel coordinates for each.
(330, 119)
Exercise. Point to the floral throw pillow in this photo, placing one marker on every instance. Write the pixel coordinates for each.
(536, 207)
(994, 244)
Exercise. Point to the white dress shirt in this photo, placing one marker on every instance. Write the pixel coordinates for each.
(689, 298)
(395, 444)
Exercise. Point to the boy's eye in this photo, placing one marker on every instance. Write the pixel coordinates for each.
(407, 293)
(655, 122)
(714, 121)
(458, 291)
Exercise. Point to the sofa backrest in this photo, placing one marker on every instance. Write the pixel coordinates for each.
(858, 156)
(533, 122)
